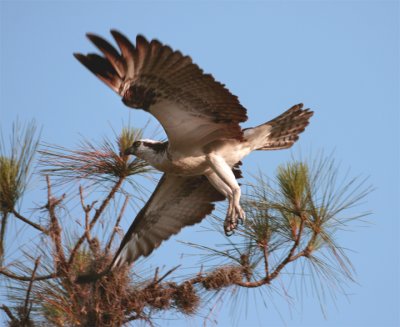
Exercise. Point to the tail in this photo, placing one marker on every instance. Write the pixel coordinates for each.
(281, 132)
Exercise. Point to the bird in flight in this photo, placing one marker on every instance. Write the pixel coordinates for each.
(201, 118)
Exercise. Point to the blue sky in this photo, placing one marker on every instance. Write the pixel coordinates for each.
(341, 58)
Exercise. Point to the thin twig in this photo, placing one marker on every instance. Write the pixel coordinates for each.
(169, 272)
(87, 230)
(115, 229)
(31, 223)
(254, 284)
(11, 275)
(8, 313)
(266, 254)
(82, 198)
(28, 291)
(96, 216)
(55, 229)
(155, 276)
(290, 257)
(86, 209)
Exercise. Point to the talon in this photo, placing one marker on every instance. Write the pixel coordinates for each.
(235, 217)
(241, 213)
(229, 233)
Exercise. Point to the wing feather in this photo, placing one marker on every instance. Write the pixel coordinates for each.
(154, 56)
(165, 58)
(153, 77)
(110, 53)
(101, 68)
(128, 52)
(176, 202)
(142, 47)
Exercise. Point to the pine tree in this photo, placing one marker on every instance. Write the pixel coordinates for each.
(294, 216)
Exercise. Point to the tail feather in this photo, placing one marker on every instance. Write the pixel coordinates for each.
(281, 132)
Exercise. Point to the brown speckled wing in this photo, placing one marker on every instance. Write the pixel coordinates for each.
(176, 202)
(153, 77)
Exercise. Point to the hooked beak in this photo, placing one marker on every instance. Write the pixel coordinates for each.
(128, 151)
(132, 149)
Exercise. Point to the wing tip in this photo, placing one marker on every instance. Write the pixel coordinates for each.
(114, 32)
(95, 39)
(90, 35)
(141, 39)
(79, 56)
(119, 37)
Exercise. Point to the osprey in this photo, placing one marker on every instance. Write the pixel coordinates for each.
(205, 141)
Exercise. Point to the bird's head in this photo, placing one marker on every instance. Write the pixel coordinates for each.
(144, 148)
(135, 149)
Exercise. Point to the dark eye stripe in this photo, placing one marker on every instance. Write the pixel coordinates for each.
(158, 147)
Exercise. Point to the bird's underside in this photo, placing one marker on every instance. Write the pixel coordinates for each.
(205, 141)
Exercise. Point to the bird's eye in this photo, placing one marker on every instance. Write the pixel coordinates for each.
(136, 144)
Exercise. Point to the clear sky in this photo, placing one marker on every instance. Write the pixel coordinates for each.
(341, 58)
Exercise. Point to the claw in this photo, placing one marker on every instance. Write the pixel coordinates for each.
(234, 217)
(229, 233)
(229, 226)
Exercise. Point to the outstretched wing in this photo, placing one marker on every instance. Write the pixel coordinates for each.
(176, 202)
(193, 108)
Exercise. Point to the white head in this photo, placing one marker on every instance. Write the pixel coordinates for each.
(146, 149)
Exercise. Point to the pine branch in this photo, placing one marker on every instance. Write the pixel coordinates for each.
(7, 273)
(31, 223)
(55, 229)
(9, 313)
(26, 312)
(95, 218)
(117, 222)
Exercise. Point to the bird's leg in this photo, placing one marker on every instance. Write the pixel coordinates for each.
(225, 179)
(226, 191)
